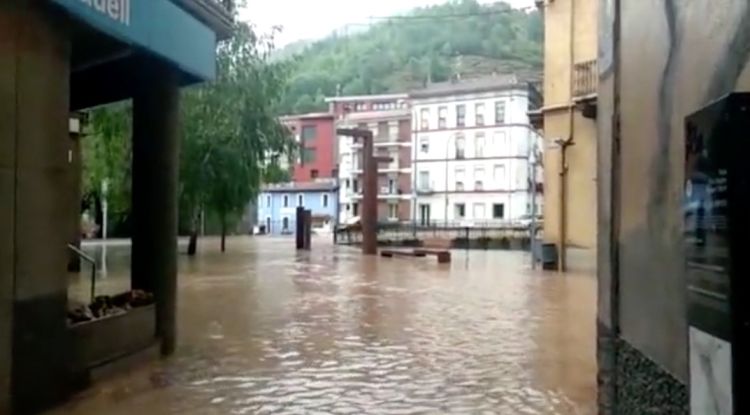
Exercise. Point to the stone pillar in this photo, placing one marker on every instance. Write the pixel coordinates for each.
(34, 95)
(7, 199)
(155, 176)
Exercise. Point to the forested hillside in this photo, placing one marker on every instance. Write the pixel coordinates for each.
(406, 51)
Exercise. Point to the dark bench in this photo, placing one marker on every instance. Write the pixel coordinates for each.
(389, 253)
(443, 256)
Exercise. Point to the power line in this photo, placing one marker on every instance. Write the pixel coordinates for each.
(374, 20)
(452, 15)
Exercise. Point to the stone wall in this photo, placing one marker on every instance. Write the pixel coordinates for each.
(675, 57)
(34, 173)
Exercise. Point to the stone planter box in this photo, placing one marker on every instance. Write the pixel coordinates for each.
(102, 341)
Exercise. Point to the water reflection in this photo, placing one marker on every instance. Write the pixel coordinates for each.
(264, 329)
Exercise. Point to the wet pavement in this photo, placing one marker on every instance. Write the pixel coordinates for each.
(264, 329)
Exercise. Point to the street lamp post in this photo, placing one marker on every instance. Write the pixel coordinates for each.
(105, 208)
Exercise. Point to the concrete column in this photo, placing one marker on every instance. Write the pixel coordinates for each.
(34, 95)
(155, 173)
(75, 192)
(8, 73)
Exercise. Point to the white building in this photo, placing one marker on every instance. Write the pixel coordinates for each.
(389, 118)
(473, 151)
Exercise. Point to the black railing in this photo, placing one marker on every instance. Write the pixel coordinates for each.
(585, 78)
(91, 262)
(482, 235)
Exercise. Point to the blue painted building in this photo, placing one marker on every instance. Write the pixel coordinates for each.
(277, 206)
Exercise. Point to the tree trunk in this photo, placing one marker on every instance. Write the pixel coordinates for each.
(193, 242)
(223, 234)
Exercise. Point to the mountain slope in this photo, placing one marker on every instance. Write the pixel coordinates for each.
(428, 44)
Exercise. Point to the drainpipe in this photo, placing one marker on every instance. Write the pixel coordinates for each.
(562, 263)
(563, 144)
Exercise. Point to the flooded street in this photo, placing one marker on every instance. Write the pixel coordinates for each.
(264, 329)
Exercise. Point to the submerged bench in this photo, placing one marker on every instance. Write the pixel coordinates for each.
(443, 256)
(389, 253)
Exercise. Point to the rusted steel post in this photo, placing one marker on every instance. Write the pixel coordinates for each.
(369, 198)
(299, 228)
(308, 229)
(369, 211)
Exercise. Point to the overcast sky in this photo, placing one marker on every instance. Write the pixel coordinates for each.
(313, 19)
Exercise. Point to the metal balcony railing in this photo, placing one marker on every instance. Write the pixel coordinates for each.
(585, 78)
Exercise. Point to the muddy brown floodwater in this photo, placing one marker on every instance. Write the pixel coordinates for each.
(265, 329)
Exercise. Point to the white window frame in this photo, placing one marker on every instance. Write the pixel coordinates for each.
(493, 210)
(479, 109)
(455, 210)
(460, 147)
(393, 211)
(498, 104)
(500, 139)
(424, 119)
(285, 201)
(462, 123)
(479, 144)
(459, 175)
(442, 117)
(423, 184)
(324, 199)
(474, 211)
(424, 145)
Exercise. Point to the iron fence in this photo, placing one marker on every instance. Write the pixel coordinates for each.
(485, 235)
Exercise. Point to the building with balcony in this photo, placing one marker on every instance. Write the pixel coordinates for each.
(568, 120)
(317, 146)
(474, 153)
(278, 203)
(389, 119)
(58, 57)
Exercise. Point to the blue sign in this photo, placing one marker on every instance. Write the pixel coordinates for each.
(157, 26)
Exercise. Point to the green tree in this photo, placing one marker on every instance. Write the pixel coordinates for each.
(107, 152)
(232, 137)
(402, 53)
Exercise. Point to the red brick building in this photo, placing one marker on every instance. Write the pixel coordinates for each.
(316, 134)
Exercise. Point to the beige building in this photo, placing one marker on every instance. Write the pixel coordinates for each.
(568, 119)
